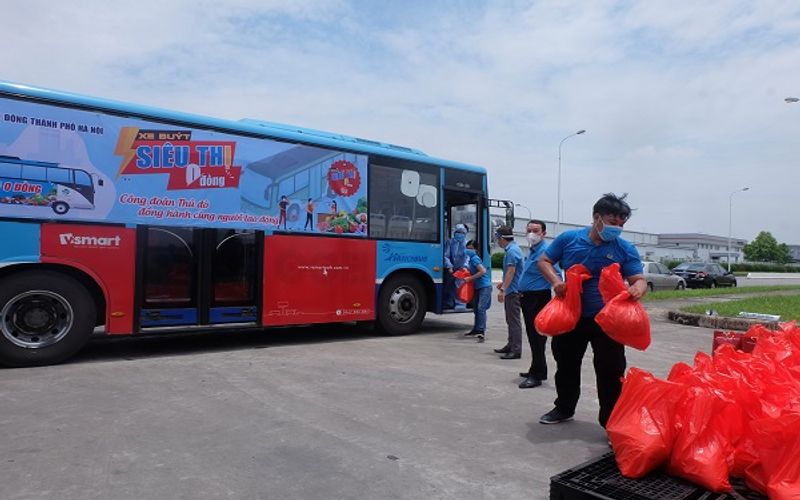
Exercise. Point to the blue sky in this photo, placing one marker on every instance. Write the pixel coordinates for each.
(683, 101)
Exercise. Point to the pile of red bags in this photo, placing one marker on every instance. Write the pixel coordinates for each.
(736, 414)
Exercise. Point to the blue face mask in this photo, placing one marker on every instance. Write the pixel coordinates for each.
(459, 236)
(609, 233)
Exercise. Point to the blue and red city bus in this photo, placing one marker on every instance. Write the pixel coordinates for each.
(120, 219)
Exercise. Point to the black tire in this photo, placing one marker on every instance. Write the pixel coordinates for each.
(45, 317)
(60, 207)
(681, 286)
(734, 284)
(713, 284)
(650, 287)
(401, 305)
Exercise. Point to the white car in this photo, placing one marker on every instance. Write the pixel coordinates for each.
(659, 277)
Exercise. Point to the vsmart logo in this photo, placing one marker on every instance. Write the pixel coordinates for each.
(69, 239)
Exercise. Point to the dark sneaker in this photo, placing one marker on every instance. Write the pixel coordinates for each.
(503, 350)
(473, 332)
(555, 416)
(479, 337)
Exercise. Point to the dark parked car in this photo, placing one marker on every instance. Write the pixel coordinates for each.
(699, 275)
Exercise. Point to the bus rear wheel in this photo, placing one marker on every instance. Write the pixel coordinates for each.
(60, 207)
(401, 305)
(45, 317)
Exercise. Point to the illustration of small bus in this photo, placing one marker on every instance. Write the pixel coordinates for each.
(42, 184)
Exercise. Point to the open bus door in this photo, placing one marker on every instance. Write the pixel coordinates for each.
(501, 213)
(198, 277)
(461, 207)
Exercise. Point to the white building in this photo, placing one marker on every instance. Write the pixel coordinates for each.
(703, 247)
(652, 246)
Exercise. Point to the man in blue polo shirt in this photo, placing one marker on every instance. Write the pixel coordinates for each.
(535, 290)
(595, 247)
(508, 292)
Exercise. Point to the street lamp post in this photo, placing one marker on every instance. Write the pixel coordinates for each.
(558, 191)
(730, 222)
(530, 216)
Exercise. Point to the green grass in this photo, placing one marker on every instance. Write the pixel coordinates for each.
(787, 306)
(716, 292)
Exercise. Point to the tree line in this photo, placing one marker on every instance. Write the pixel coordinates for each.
(765, 248)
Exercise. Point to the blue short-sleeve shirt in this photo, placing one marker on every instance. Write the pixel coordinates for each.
(483, 281)
(575, 247)
(532, 279)
(513, 258)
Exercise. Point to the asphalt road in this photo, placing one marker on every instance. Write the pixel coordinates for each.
(791, 280)
(300, 413)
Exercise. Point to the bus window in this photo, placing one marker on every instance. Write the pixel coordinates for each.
(59, 175)
(404, 203)
(10, 170)
(467, 215)
(462, 181)
(301, 180)
(82, 178)
(286, 187)
(34, 173)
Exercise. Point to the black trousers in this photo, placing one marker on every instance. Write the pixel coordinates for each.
(609, 367)
(532, 302)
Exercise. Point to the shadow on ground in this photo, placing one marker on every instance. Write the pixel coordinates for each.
(188, 344)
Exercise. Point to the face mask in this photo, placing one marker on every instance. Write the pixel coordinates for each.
(471, 252)
(533, 238)
(459, 236)
(609, 233)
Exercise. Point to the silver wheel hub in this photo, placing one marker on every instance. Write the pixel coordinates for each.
(36, 319)
(403, 304)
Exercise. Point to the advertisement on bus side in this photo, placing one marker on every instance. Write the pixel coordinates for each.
(68, 164)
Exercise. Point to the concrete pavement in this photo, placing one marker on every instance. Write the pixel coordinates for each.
(301, 413)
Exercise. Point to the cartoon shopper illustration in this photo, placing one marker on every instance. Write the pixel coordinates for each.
(309, 215)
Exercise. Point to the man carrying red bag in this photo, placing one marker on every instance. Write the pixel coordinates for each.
(595, 247)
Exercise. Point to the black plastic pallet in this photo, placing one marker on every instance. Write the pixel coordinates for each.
(600, 478)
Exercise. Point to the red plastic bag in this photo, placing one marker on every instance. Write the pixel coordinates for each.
(611, 283)
(641, 428)
(622, 318)
(778, 440)
(561, 314)
(784, 475)
(702, 450)
(733, 375)
(466, 290)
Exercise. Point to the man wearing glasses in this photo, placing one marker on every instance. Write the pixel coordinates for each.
(596, 247)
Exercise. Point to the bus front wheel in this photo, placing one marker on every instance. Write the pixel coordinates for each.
(401, 305)
(45, 317)
(60, 207)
